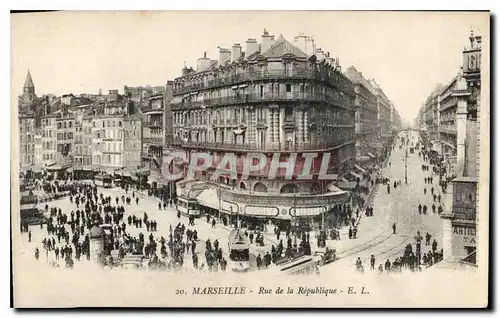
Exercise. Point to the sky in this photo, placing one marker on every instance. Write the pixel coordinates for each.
(407, 53)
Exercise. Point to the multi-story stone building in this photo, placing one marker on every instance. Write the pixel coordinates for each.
(26, 139)
(431, 113)
(460, 224)
(153, 135)
(38, 148)
(383, 112)
(132, 145)
(65, 122)
(448, 101)
(49, 138)
(397, 122)
(277, 100)
(367, 126)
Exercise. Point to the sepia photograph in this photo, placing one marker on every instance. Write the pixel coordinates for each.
(259, 159)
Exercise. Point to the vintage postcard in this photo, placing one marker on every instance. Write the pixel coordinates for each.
(250, 159)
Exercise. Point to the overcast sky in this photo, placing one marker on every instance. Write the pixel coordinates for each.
(407, 53)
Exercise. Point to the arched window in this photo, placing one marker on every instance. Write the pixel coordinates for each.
(289, 188)
(260, 187)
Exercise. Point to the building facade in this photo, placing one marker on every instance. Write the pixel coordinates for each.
(38, 148)
(153, 134)
(49, 138)
(460, 224)
(65, 122)
(448, 102)
(366, 118)
(132, 145)
(274, 99)
(26, 139)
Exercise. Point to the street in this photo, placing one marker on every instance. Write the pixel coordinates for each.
(375, 236)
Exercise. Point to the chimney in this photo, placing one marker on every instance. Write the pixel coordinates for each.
(267, 41)
(251, 47)
(202, 63)
(310, 47)
(236, 52)
(320, 54)
(300, 42)
(224, 55)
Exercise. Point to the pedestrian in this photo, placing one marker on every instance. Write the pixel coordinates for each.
(394, 228)
(425, 191)
(350, 232)
(372, 262)
(213, 223)
(434, 246)
(433, 208)
(29, 236)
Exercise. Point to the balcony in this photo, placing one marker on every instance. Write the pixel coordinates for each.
(284, 147)
(258, 76)
(157, 140)
(448, 129)
(153, 124)
(270, 97)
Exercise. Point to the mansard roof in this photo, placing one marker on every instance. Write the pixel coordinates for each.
(282, 47)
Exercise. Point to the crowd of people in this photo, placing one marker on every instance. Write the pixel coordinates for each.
(414, 257)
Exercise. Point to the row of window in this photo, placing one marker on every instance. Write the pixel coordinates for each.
(115, 160)
(64, 124)
(108, 146)
(107, 123)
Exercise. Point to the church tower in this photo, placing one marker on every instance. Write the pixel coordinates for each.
(28, 90)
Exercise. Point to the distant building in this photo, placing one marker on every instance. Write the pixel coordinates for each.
(367, 125)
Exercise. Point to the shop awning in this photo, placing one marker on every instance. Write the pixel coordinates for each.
(360, 169)
(208, 198)
(371, 155)
(362, 158)
(36, 168)
(143, 172)
(334, 189)
(376, 145)
(355, 175)
(54, 168)
(50, 163)
(28, 207)
(347, 185)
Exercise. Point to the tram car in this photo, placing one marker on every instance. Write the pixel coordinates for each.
(239, 251)
(104, 181)
(188, 207)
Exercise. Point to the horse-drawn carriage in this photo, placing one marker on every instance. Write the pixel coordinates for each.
(327, 256)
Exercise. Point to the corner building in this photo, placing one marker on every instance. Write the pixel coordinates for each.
(274, 98)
